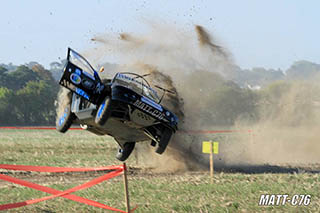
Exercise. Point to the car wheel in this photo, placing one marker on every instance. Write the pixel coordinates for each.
(164, 141)
(64, 121)
(125, 151)
(104, 111)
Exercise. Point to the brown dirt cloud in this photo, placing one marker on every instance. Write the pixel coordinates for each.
(173, 57)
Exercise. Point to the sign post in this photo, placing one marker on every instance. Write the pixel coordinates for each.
(211, 148)
(211, 162)
(126, 191)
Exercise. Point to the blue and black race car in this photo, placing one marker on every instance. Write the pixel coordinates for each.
(125, 107)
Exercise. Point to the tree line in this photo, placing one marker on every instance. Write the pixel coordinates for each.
(28, 93)
(27, 96)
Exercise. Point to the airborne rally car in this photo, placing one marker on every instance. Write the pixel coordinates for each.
(125, 107)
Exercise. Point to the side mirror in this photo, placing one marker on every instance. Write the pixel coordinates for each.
(101, 69)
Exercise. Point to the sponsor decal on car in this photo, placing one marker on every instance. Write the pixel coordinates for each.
(122, 76)
(78, 71)
(145, 107)
(82, 93)
(75, 78)
(152, 103)
(89, 84)
(99, 88)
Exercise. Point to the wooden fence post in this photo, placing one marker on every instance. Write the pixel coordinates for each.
(211, 161)
(126, 191)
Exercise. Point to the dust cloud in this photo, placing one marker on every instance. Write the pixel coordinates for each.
(194, 65)
(287, 131)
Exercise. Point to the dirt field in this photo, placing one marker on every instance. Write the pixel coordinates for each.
(235, 188)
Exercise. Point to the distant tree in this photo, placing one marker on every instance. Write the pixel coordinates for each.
(17, 79)
(27, 96)
(6, 115)
(289, 103)
(303, 70)
(56, 69)
(31, 64)
(3, 76)
(43, 73)
(9, 67)
(35, 103)
(55, 65)
(257, 76)
(2, 70)
(217, 102)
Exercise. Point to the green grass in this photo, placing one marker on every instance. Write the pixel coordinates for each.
(183, 192)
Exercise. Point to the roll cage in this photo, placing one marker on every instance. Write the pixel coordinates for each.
(131, 80)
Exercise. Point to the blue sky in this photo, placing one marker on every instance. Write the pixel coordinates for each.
(271, 34)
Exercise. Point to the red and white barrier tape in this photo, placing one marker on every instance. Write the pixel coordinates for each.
(117, 170)
(35, 127)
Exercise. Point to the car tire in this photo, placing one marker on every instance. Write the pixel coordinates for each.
(64, 121)
(104, 111)
(125, 151)
(164, 141)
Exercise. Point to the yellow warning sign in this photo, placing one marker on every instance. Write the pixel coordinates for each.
(206, 147)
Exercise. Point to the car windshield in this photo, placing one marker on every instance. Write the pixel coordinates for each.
(137, 83)
(76, 59)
